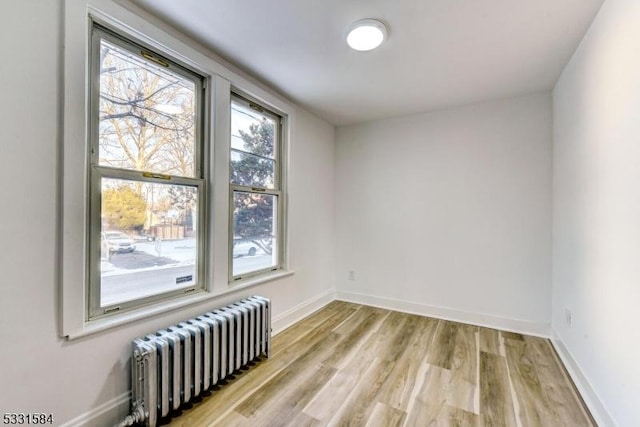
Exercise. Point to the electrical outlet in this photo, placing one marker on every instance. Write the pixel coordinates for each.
(352, 275)
(568, 316)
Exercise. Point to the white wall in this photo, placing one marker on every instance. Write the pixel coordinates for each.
(40, 372)
(449, 213)
(596, 209)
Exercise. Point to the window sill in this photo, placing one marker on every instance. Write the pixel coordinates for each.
(257, 280)
(95, 326)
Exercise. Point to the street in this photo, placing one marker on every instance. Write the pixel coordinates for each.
(137, 284)
(161, 266)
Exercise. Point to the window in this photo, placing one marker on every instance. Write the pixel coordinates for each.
(255, 187)
(146, 176)
(149, 213)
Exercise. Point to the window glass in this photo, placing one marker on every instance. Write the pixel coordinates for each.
(252, 171)
(254, 232)
(147, 239)
(253, 147)
(252, 131)
(146, 114)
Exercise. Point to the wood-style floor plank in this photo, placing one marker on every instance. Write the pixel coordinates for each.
(360, 403)
(465, 370)
(277, 402)
(398, 390)
(353, 332)
(232, 419)
(534, 409)
(441, 353)
(556, 385)
(318, 323)
(512, 336)
(496, 404)
(337, 389)
(386, 416)
(353, 365)
(460, 418)
(490, 341)
(430, 404)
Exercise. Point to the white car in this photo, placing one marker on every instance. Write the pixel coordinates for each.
(245, 248)
(116, 242)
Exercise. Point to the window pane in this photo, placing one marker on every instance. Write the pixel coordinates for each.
(252, 171)
(146, 115)
(254, 232)
(252, 131)
(148, 241)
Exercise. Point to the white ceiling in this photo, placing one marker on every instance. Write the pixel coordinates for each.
(439, 53)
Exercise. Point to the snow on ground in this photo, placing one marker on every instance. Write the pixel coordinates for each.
(179, 252)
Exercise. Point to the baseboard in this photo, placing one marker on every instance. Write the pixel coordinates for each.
(588, 393)
(302, 310)
(103, 415)
(489, 321)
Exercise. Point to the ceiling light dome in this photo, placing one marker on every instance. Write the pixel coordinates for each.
(366, 34)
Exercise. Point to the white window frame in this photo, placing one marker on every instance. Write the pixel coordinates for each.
(277, 191)
(73, 213)
(100, 31)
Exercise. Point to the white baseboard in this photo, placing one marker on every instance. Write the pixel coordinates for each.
(105, 414)
(302, 310)
(591, 399)
(505, 324)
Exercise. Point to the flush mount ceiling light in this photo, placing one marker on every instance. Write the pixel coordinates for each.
(366, 34)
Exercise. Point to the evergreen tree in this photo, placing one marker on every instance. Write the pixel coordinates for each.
(254, 212)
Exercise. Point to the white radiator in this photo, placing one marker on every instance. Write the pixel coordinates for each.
(175, 365)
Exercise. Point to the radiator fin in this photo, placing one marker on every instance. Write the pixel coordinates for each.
(177, 364)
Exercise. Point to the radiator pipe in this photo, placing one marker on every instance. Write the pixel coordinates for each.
(137, 416)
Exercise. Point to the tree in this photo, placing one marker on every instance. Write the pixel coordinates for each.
(253, 171)
(123, 208)
(183, 199)
(253, 212)
(147, 115)
(147, 120)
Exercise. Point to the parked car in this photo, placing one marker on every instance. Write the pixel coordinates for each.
(245, 248)
(116, 242)
(145, 236)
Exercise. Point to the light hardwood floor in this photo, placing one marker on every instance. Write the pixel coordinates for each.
(354, 365)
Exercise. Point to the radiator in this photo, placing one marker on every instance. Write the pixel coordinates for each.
(173, 366)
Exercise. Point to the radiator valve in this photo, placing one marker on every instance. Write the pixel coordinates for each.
(136, 416)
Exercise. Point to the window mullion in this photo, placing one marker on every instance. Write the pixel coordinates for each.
(131, 175)
(255, 190)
